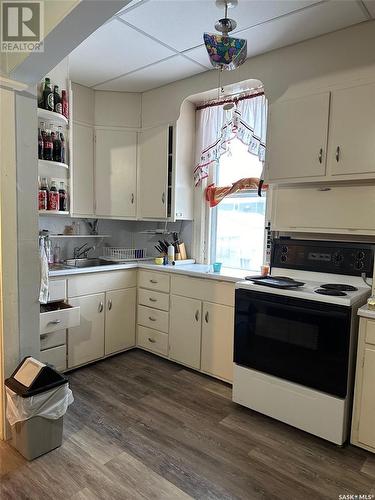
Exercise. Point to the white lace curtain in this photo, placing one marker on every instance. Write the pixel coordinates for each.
(215, 127)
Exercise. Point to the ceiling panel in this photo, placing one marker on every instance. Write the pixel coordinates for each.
(170, 70)
(370, 4)
(112, 50)
(308, 23)
(181, 23)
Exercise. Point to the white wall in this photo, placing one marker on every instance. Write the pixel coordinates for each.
(348, 53)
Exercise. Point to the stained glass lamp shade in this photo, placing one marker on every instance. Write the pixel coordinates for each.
(224, 51)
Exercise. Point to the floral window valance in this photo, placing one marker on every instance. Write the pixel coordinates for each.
(216, 127)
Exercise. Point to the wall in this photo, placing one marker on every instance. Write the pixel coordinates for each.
(346, 53)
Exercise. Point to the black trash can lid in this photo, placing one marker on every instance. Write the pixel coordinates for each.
(31, 377)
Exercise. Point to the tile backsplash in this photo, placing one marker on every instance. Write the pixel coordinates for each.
(126, 234)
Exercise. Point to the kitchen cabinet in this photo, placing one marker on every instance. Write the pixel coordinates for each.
(352, 131)
(217, 340)
(185, 331)
(363, 429)
(82, 189)
(120, 320)
(297, 143)
(86, 341)
(153, 173)
(115, 173)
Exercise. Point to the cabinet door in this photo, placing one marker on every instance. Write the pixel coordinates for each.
(298, 137)
(115, 173)
(86, 341)
(185, 331)
(82, 189)
(120, 320)
(352, 131)
(217, 340)
(153, 173)
(366, 430)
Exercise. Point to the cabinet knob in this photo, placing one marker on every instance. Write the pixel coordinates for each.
(132, 198)
(197, 315)
(109, 304)
(338, 153)
(151, 340)
(44, 336)
(320, 156)
(151, 318)
(100, 307)
(153, 281)
(163, 198)
(152, 299)
(206, 317)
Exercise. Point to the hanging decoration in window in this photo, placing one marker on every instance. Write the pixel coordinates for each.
(214, 195)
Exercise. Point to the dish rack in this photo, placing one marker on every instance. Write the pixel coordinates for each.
(119, 254)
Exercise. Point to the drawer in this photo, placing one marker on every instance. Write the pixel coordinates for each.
(58, 316)
(54, 339)
(209, 290)
(55, 356)
(152, 318)
(154, 281)
(370, 332)
(153, 340)
(152, 299)
(101, 282)
(56, 290)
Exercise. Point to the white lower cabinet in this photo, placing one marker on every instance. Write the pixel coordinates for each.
(217, 340)
(55, 357)
(185, 331)
(120, 320)
(86, 341)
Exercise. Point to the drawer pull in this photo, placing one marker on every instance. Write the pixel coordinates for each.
(151, 318)
(338, 153)
(101, 307)
(206, 317)
(109, 304)
(197, 315)
(152, 300)
(153, 281)
(151, 340)
(320, 156)
(54, 322)
(44, 336)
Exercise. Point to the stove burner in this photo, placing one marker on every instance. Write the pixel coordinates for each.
(340, 287)
(325, 291)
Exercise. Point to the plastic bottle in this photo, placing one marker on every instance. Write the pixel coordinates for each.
(170, 254)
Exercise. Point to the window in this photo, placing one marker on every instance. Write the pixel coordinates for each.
(238, 222)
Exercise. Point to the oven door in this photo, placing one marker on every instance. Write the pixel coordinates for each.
(299, 340)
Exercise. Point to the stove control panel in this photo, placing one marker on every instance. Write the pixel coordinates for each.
(324, 256)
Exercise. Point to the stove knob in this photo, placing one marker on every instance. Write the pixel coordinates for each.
(284, 249)
(283, 258)
(359, 264)
(360, 255)
(337, 258)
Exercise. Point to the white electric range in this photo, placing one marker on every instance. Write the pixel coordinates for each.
(295, 340)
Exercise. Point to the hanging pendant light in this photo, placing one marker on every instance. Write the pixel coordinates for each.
(225, 52)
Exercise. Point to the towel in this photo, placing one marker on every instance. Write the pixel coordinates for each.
(43, 292)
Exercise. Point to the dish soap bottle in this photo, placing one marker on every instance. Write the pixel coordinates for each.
(170, 254)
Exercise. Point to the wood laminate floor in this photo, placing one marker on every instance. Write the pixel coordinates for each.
(142, 427)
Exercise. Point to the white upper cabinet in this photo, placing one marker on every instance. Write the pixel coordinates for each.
(82, 191)
(297, 141)
(153, 173)
(352, 131)
(115, 173)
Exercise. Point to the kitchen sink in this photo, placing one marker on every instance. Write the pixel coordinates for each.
(87, 262)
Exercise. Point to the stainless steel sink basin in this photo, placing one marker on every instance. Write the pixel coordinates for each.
(87, 262)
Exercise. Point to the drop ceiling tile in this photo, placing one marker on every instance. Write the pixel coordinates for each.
(299, 26)
(161, 73)
(112, 50)
(181, 23)
(370, 4)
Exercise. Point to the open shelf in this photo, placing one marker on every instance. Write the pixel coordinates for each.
(79, 235)
(52, 116)
(49, 163)
(53, 212)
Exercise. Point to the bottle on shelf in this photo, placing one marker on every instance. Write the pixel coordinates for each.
(43, 194)
(57, 147)
(62, 145)
(48, 95)
(53, 197)
(63, 202)
(57, 99)
(48, 146)
(40, 144)
(64, 104)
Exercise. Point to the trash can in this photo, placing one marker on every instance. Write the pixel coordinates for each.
(37, 399)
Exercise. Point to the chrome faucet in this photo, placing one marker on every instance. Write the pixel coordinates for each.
(82, 251)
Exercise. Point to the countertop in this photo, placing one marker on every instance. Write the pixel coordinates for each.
(365, 312)
(195, 270)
